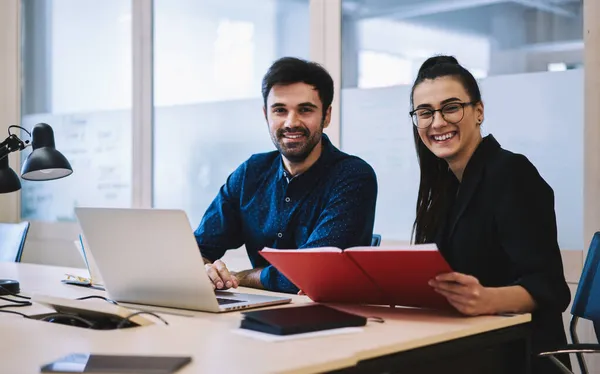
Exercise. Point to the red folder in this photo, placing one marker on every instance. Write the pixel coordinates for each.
(365, 275)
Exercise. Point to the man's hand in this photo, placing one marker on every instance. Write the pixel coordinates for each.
(249, 278)
(465, 293)
(220, 276)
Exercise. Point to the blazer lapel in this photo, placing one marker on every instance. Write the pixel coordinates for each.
(471, 179)
(465, 194)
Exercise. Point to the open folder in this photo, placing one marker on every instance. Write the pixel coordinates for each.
(365, 275)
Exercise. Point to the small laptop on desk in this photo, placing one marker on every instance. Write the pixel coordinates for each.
(150, 257)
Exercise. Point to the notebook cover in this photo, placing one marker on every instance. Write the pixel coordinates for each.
(403, 275)
(325, 276)
(297, 320)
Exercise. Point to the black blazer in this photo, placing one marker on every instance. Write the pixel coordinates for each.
(500, 227)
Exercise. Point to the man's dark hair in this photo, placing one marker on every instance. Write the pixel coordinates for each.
(289, 70)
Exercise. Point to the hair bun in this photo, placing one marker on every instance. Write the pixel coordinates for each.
(438, 60)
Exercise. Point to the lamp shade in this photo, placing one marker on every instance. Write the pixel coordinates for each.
(44, 162)
(9, 181)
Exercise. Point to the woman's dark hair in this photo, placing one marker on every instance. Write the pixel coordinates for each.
(435, 174)
(289, 70)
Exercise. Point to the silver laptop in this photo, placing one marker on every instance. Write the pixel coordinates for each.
(150, 257)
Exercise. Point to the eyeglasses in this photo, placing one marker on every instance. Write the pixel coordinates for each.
(452, 113)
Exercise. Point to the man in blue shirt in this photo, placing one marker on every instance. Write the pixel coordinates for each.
(307, 194)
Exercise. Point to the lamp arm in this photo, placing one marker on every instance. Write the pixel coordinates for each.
(11, 144)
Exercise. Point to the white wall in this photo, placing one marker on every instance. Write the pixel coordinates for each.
(9, 91)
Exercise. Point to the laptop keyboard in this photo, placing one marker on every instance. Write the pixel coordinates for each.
(222, 301)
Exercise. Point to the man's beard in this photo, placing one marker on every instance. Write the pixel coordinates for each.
(297, 152)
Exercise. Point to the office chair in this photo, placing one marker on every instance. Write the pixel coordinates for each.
(586, 304)
(375, 240)
(12, 240)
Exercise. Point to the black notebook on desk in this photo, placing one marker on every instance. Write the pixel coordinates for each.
(297, 320)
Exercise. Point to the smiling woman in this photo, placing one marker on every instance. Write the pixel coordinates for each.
(455, 133)
(488, 210)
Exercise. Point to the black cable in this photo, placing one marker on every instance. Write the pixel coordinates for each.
(14, 294)
(26, 303)
(17, 127)
(14, 301)
(126, 319)
(17, 313)
(98, 297)
(67, 316)
(92, 325)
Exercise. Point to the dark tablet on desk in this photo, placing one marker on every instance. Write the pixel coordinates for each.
(300, 319)
(93, 363)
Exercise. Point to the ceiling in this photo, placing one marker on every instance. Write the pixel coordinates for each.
(552, 25)
(418, 8)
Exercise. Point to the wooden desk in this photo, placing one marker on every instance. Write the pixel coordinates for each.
(410, 341)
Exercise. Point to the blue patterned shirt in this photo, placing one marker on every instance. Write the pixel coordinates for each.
(330, 204)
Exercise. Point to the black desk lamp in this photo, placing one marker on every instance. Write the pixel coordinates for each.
(44, 163)
(9, 181)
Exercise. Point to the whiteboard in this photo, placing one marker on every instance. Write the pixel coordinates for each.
(98, 147)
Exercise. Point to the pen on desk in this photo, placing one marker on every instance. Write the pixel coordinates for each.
(83, 252)
(80, 284)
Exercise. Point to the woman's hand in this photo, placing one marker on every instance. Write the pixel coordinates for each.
(465, 293)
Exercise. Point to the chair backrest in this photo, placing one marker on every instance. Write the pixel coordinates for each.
(375, 240)
(586, 303)
(12, 240)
